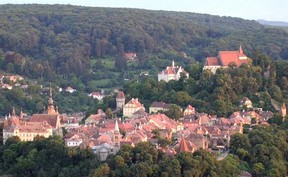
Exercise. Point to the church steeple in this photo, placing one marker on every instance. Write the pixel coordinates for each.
(117, 136)
(173, 64)
(51, 109)
(13, 111)
(116, 126)
(240, 49)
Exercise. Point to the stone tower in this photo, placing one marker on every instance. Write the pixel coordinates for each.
(120, 100)
(117, 137)
(283, 111)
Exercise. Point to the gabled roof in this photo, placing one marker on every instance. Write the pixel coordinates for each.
(183, 147)
(212, 61)
(134, 102)
(227, 57)
(51, 119)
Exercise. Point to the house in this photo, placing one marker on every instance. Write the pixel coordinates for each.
(74, 141)
(130, 55)
(224, 59)
(246, 102)
(70, 90)
(6, 86)
(172, 73)
(96, 95)
(161, 121)
(131, 107)
(190, 110)
(103, 149)
(185, 146)
(158, 106)
(14, 78)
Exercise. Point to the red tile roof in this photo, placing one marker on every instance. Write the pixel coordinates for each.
(183, 145)
(51, 119)
(227, 57)
(212, 61)
(135, 102)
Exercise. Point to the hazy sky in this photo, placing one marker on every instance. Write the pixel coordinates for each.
(276, 10)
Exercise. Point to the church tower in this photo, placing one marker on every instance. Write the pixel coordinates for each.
(283, 111)
(120, 100)
(51, 109)
(117, 137)
(241, 50)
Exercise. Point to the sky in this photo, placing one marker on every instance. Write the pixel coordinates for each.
(273, 10)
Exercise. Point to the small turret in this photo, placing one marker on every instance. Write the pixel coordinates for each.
(240, 49)
(283, 111)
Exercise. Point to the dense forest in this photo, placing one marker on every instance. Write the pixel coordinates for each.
(57, 42)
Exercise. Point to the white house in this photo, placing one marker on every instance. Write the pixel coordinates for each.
(172, 73)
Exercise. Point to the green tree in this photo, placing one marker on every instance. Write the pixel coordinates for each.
(174, 112)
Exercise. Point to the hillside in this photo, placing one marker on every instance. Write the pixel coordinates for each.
(54, 40)
(273, 23)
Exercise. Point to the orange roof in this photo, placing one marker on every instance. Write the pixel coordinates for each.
(135, 102)
(51, 119)
(212, 61)
(183, 145)
(36, 127)
(227, 57)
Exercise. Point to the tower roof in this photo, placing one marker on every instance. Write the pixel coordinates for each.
(283, 106)
(120, 94)
(240, 49)
(183, 147)
(116, 126)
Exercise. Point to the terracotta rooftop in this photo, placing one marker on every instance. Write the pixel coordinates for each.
(227, 57)
(212, 61)
(51, 119)
(183, 147)
(135, 102)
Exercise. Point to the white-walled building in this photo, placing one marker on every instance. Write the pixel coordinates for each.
(172, 73)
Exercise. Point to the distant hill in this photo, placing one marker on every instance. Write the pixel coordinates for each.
(273, 23)
(52, 41)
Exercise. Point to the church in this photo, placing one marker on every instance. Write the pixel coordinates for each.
(46, 124)
(224, 59)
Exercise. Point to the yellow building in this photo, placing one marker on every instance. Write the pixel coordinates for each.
(131, 107)
(27, 131)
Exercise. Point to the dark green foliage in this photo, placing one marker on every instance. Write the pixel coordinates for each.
(45, 157)
(51, 40)
(264, 150)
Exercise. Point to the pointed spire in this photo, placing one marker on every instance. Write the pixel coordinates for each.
(183, 147)
(283, 106)
(50, 91)
(116, 126)
(240, 49)
(13, 111)
(21, 114)
(173, 64)
(6, 117)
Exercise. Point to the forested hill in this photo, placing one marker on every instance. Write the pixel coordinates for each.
(62, 39)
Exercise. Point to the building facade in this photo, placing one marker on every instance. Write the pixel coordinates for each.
(172, 73)
(131, 107)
